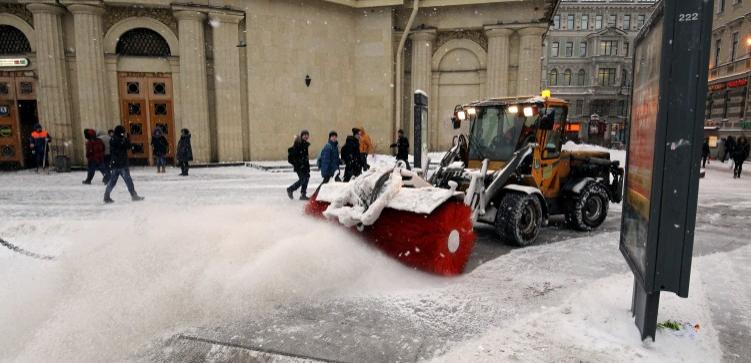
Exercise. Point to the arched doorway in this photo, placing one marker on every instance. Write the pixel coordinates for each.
(458, 68)
(18, 105)
(145, 98)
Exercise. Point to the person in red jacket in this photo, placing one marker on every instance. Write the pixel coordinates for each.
(95, 156)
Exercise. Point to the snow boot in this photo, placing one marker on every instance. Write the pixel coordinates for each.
(304, 197)
(137, 198)
(108, 200)
(86, 182)
(289, 194)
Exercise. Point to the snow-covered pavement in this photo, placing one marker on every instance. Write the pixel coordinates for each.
(222, 266)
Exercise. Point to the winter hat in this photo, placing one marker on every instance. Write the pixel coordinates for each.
(304, 132)
(119, 130)
(333, 133)
(37, 126)
(355, 131)
(185, 132)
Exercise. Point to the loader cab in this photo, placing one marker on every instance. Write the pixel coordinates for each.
(500, 127)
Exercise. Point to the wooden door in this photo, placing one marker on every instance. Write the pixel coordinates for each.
(145, 104)
(11, 150)
(161, 110)
(135, 121)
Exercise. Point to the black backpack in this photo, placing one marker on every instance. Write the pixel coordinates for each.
(291, 155)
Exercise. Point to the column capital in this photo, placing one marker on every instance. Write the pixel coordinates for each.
(224, 17)
(188, 14)
(532, 31)
(424, 34)
(493, 31)
(91, 8)
(45, 7)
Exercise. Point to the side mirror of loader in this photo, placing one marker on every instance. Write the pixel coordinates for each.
(456, 123)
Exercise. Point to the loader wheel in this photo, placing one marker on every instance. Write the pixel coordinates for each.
(519, 218)
(590, 207)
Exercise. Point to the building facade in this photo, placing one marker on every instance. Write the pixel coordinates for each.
(245, 76)
(729, 70)
(588, 61)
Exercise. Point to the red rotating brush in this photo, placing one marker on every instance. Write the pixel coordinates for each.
(439, 242)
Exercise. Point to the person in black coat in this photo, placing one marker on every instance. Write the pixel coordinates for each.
(119, 148)
(704, 153)
(301, 164)
(184, 152)
(351, 156)
(402, 148)
(729, 148)
(160, 148)
(740, 154)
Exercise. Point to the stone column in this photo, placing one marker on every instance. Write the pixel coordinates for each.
(530, 61)
(227, 79)
(498, 61)
(193, 84)
(52, 93)
(422, 57)
(91, 72)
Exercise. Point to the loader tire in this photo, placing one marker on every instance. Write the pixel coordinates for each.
(519, 218)
(589, 207)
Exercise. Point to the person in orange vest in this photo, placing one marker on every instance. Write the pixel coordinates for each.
(366, 147)
(39, 144)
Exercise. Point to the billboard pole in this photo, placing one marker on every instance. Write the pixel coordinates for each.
(671, 60)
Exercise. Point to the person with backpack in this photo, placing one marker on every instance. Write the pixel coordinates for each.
(95, 157)
(119, 147)
(184, 152)
(351, 156)
(160, 148)
(297, 155)
(106, 137)
(328, 159)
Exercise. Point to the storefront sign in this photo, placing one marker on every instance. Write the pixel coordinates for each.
(13, 62)
(737, 83)
(717, 87)
(746, 125)
(4, 110)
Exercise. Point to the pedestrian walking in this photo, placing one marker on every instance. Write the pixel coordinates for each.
(298, 157)
(119, 147)
(721, 150)
(402, 148)
(160, 148)
(705, 153)
(95, 157)
(729, 148)
(106, 137)
(740, 154)
(39, 144)
(328, 159)
(184, 152)
(351, 156)
(366, 148)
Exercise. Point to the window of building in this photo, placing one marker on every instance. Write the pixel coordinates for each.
(612, 19)
(725, 105)
(734, 49)
(13, 41)
(579, 107)
(585, 22)
(622, 108)
(717, 48)
(608, 47)
(627, 22)
(720, 6)
(557, 22)
(598, 22)
(553, 79)
(142, 42)
(581, 78)
(624, 78)
(606, 76)
(583, 49)
(569, 49)
(567, 77)
(626, 49)
(640, 21)
(570, 22)
(554, 49)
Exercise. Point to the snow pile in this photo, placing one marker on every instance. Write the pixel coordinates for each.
(150, 270)
(619, 155)
(353, 206)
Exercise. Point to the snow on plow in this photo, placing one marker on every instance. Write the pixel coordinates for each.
(420, 225)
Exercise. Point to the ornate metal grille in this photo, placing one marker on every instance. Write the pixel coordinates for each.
(13, 41)
(142, 42)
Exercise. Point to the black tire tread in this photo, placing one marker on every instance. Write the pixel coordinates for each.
(575, 216)
(509, 212)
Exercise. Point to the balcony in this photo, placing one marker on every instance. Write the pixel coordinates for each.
(737, 67)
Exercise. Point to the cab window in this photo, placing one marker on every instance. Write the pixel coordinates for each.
(553, 141)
